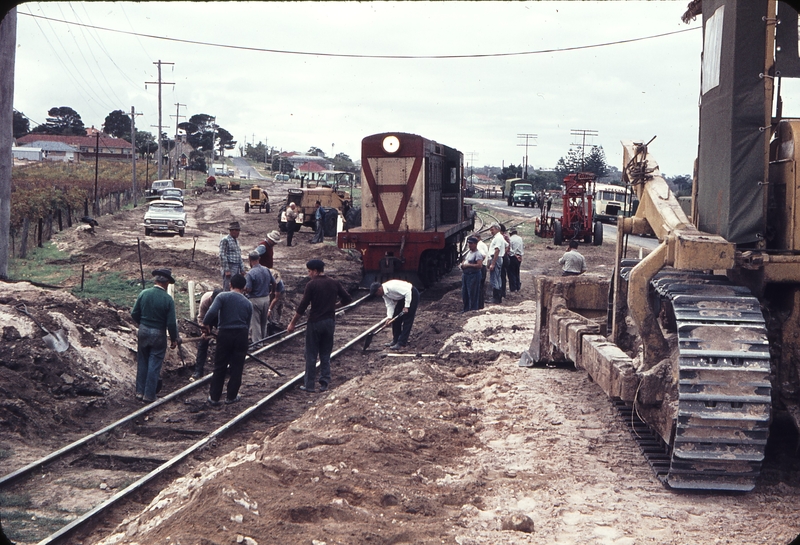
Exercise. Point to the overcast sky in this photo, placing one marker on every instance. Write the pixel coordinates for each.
(270, 72)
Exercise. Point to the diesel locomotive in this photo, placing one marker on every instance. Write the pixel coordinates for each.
(413, 215)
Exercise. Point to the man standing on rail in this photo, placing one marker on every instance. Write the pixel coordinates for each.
(515, 260)
(230, 255)
(401, 300)
(154, 313)
(259, 285)
(321, 293)
(497, 248)
(231, 312)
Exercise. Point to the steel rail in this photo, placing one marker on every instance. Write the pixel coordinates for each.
(29, 468)
(196, 446)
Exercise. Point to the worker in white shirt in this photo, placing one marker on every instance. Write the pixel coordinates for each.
(401, 299)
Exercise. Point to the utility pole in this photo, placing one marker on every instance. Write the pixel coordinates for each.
(96, 211)
(583, 133)
(133, 155)
(178, 117)
(159, 83)
(471, 163)
(8, 47)
(527, 137)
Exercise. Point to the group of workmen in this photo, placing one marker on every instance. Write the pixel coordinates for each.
(239, 315)
(249, 303)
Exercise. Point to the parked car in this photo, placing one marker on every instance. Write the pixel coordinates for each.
(165, 216)
(281, 177)
(172, 194)
(156, 188)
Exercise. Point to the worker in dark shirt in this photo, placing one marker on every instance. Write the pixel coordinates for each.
(321, 293)
(231, 312)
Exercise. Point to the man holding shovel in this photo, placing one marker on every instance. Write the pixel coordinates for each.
(401, 299)
(154, 313)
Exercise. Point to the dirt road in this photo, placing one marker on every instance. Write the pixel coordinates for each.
(458, 445)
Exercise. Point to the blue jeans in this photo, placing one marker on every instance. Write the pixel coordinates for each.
(471, 289)
(496, 276)
(319, 342)
(152, 347)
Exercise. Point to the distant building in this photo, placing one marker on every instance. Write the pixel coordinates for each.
(26, 153)
(106, 147)
(56, 151)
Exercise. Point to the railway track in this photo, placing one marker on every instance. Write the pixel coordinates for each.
(117, 463)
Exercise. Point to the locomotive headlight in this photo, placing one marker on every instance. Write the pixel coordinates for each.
(391, 144)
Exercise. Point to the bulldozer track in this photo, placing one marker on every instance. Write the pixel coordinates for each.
(724, 388)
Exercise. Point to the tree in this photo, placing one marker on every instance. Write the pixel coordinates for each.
(145, 143)
(510, 172)
(258, 152)
(282, 164)
(21, 124)
(596, 162)
(314, 150)
(343, 162)
(225, 140)
(570, 164)
(118, 124)
(63, 120)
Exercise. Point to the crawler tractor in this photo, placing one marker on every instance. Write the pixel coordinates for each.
(700, 338)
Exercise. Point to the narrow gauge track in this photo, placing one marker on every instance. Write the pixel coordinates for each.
(97, 472)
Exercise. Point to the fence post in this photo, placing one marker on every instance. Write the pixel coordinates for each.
(23, 243)
(39, 234)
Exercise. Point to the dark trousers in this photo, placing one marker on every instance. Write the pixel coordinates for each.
(202, 356)
(231, 351)
(291, 227)
(514, 283)
(401, 327)
(319, 343)
(319, 233)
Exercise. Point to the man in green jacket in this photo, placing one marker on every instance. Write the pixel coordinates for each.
(154, 313)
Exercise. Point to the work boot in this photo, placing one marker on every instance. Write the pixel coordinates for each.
(496, 297)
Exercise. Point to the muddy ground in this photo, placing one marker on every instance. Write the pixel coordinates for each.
(456, 445)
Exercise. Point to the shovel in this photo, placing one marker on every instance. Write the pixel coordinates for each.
(368, 338)
(55, 341)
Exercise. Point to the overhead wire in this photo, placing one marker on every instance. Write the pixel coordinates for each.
(367, 56)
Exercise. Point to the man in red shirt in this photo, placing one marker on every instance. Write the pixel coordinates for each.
(321, 293)
(268, 244)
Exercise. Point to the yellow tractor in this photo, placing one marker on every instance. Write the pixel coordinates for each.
(258, 199)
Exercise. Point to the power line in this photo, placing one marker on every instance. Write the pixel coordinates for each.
(362, 56)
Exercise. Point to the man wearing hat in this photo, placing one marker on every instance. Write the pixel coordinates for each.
(258, 287)
(401, 300)
(154, 313)
(472, 269)
(267, 250)
(230, 255)
(321, 293)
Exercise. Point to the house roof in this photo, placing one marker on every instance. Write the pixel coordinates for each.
(50, 146)
(310, 167)
(106, 141)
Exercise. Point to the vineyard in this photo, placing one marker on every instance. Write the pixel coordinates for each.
(50, 196)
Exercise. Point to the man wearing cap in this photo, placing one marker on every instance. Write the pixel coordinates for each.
(154, 313)
(259, 284)
(471, 269)
(401, 300)
(291, 222)
(231, 312)
(515, 260)
(321, 293)
(267, 248)
(230, 255)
